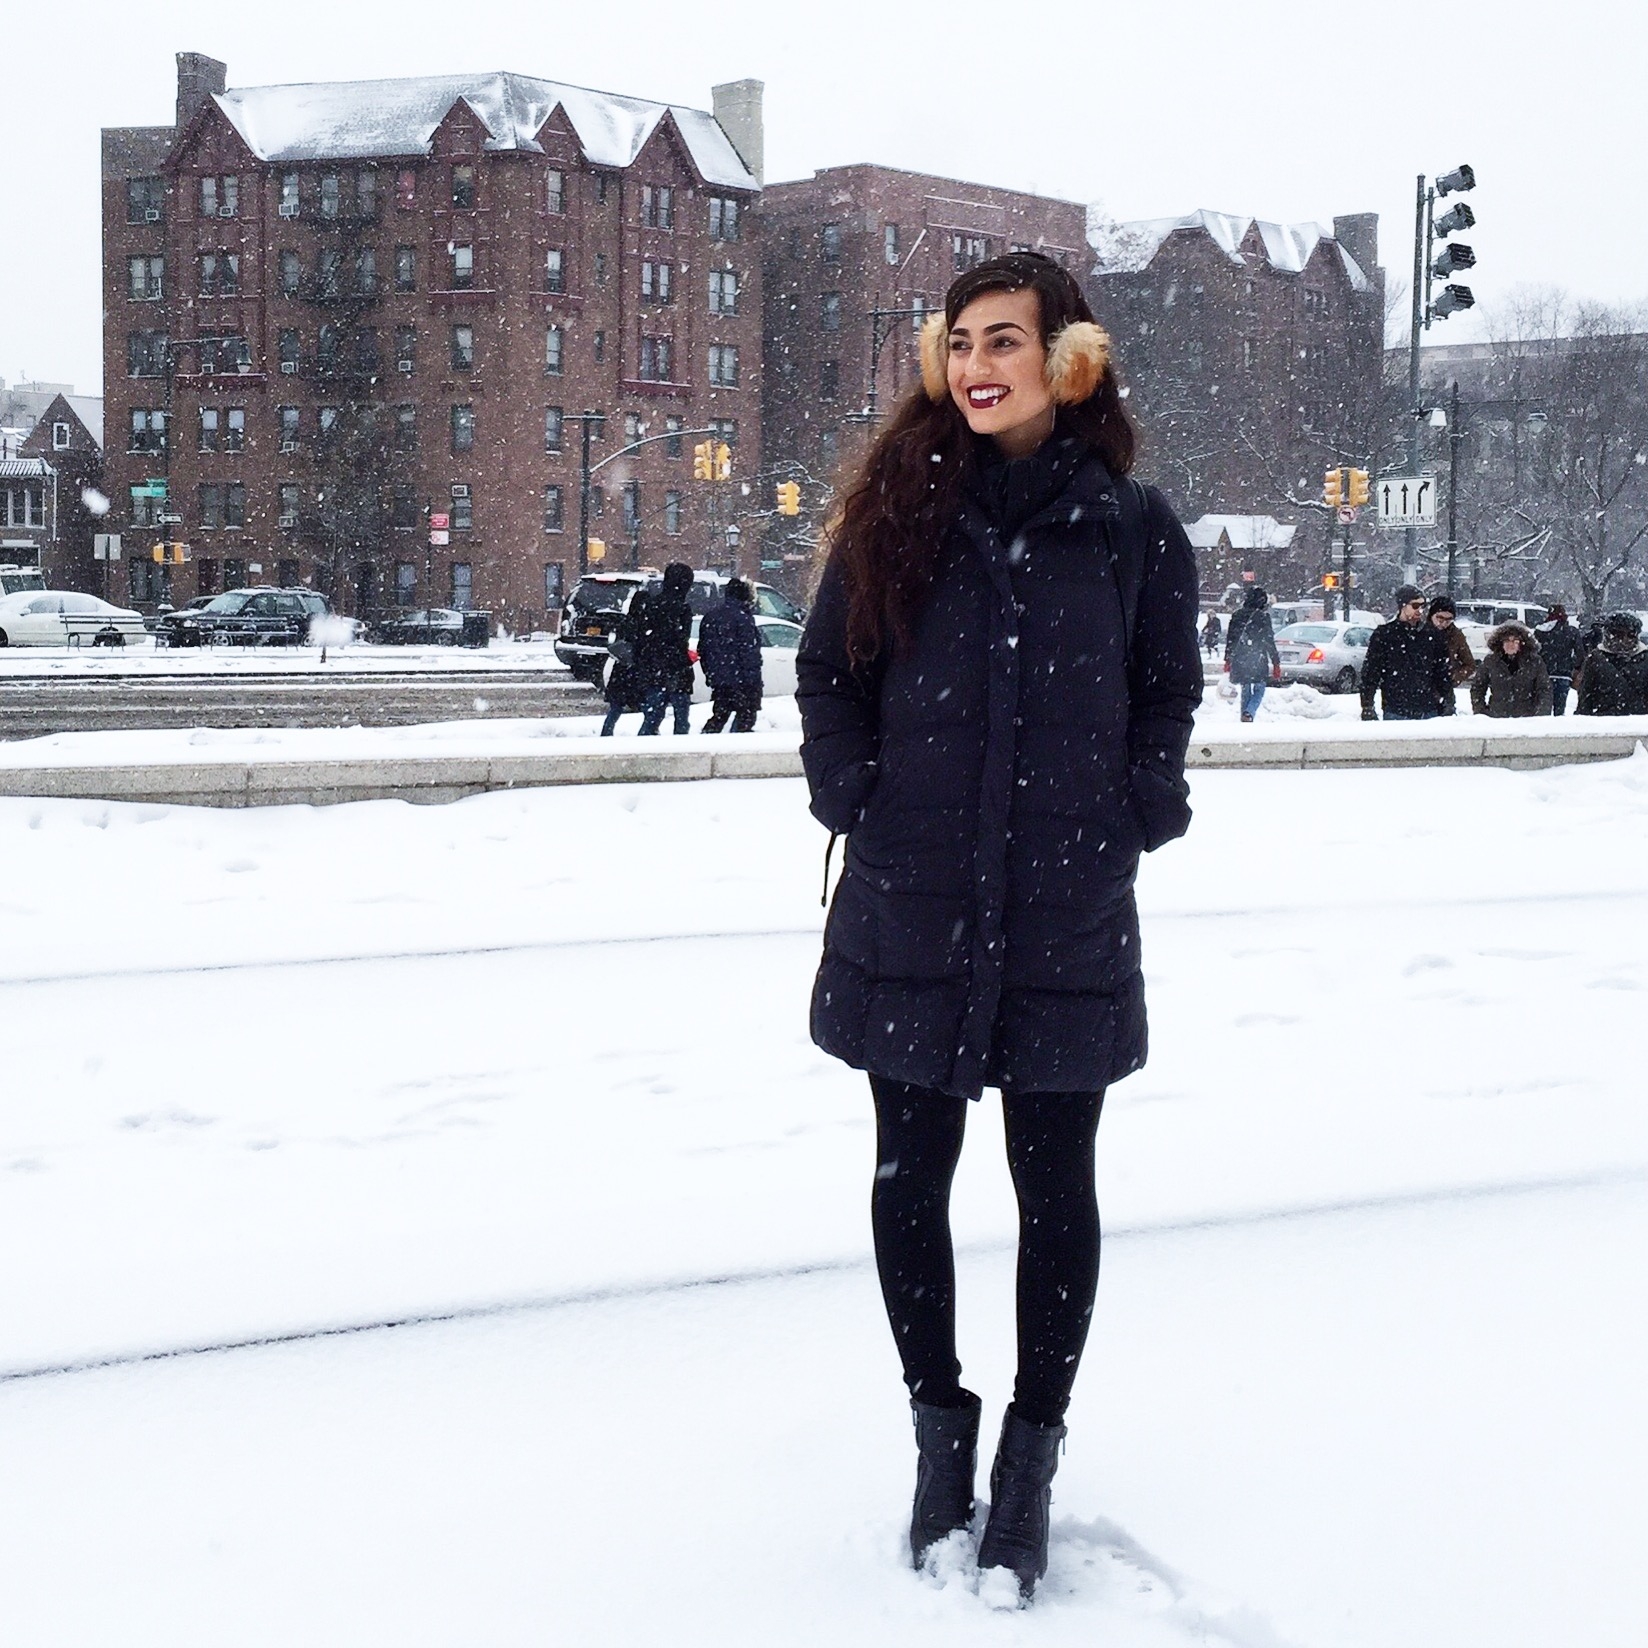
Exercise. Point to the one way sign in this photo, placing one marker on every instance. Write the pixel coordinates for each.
(1407, 500)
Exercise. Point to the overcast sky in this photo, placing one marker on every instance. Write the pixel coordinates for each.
(1270, 108)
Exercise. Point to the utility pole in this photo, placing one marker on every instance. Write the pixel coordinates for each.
(1421, 244)
(1456, 437)
(593, 423)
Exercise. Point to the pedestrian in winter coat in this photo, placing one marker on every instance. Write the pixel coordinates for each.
(1614, 678)
(1250, 651)
(1461, 660)
(1563, 649)
(622, 691)
(1512, 679)
(1213, 633)
(729, 649)
(1407, 664)
(655, 632)
(996, 687)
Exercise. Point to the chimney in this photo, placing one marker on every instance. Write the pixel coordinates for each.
(738, 112)
(1359, 235)
(198, 77)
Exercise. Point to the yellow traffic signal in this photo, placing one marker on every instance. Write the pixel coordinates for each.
(723, 462)
(169, 554)
(1358, 494)
(597, 549)
(789, 498)
(703, 461)
(1330, 580)
(1333, 488)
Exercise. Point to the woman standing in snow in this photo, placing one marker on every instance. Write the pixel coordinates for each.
(996, 688)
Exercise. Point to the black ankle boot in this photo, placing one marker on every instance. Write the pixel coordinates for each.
(1021, 1492)
(947, 1439)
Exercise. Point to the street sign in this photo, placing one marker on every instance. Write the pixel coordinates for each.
(1347, 516)
(105, 546)
(1406, 500)
(440, 539)
(439, 522)
(150, 489)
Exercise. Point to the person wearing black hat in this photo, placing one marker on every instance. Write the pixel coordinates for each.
(1407, 664)
(729, 648)
(1614, 679)
(1250, 651)
(658, 627)
(1461, 660)
(1563, 649)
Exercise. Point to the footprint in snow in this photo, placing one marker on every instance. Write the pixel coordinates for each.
(1426, 964)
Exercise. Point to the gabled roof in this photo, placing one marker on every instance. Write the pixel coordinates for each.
(1286, 246)
(1239, 532)
(366, 119)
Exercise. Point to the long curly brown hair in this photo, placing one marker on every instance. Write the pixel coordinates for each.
(891, 527)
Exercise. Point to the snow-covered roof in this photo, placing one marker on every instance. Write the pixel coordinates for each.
(23, 469)
(1287, 246)
(362, 119)
(1239, 532)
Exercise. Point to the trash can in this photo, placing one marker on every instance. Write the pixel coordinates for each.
(477, 629)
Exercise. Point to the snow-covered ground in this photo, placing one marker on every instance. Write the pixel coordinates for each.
(144, 659)
(528, 1075)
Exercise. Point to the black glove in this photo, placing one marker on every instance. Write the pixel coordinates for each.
(1369, 713)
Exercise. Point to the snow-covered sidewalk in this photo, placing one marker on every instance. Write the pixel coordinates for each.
(1369, 1340)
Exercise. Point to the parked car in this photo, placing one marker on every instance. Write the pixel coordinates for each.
(1476, 620)
(244, 617)
(436, 626)
(1329, 656)
(62, 618)
(15, 579)
(780, 642)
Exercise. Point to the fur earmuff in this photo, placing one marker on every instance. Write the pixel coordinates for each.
(1077, 361)
(935, 356)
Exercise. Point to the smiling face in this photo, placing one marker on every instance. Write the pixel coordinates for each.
(998, 370)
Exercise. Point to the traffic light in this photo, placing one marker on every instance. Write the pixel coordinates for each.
(1333, 488)
(1456, 255)
(1358, 494)
(1330, 580)
(1456, 182)
(703, 461)
(1450, 223)
(169, 554)
(1453, 299)
(723, 462)
(597, 549)
(789, 498)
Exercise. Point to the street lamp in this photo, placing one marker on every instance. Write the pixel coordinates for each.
(734, 536)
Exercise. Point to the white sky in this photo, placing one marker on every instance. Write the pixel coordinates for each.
(1273, 108)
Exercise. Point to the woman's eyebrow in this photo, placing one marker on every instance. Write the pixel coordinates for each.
(994, 326)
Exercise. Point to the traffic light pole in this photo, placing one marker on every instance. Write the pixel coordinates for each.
(1344, 605)
(1456, 438)
(1421, 237)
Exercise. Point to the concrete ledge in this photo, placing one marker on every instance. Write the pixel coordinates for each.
(435, 777)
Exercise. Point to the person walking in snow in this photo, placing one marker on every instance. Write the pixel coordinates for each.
(1250, 651)
(657, 629)
(729, 649)
(1563, 649)
(1461, 660)
(1407, 664)
(1213, 633)
(996, 687)
(1512, 679)
(1614, 678)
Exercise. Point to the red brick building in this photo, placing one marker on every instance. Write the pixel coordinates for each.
(44, 519)
(337, 311)
(854, 256)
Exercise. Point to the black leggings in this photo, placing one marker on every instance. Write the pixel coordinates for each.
(1050, 1138)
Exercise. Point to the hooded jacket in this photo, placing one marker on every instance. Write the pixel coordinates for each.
(729, 648)
(1614, 683)
(999, 776)
(1561, 646)
(657, 628)
(1504, 686)
(1409, 664)
(1250, 643)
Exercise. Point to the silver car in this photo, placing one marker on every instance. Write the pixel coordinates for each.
(1325, 655)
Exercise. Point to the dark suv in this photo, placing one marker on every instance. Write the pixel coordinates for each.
(245, 617)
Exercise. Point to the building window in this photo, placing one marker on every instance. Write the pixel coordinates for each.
(367, 358)
(406, 349)
(211, 506)
(889, 242)
(829, 312)
(463, 348)
(829, 242)
(366, 193)
(403, 510)
(657, 359)
(406, 583)
(290, 419)
(967, 251)
(463, 588)
(327, 419)
(208, 576)
(145, 354)
(672, 514)
(145, 199)
(148, 430)
(600, 347)
(829, 380)
(600, 188)
(632, 507)
(554, 583)
(723, 292)
(326, 348)
(463, 510)
(288, 194)
(234, 504)
(209, 423)
(554, 350)
(725, 429)
(634, 429)
(220, 274)
(658, 206)
(553, 515)
(600, 268)
(554, 427)
(287, 497)
(234, 574)
(286, 574)
(723, 217)
(463, 188)
(1315, 303)
(291, 274)
(60, 437)
(23, 505)
(555, 270)
(555, 192)
(330, 194)
(406, 269)
(366, 271)
(463, 268)
(328, 267)
(463, 429)
(1250, 354)
(228, 352)
(147, 580)
(145, 510)
(406, 188)
(287, 349)
(406, 427)
(657, 282)
(723, 365)
(234, 429)
(219, 196)
(829, 449)
(597, 502)
(146, 277)
(918, 305)
(672, 428)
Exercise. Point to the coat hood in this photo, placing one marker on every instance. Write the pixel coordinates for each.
(1496, 637)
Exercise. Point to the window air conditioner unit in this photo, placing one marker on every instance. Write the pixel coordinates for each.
(460, 491)
(404, 365)
(289, 208)
(226, 211)
(288, 446)
(288, 520)
(151, 214)
(288, 366)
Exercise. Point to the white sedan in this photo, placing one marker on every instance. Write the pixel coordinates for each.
(63, 618)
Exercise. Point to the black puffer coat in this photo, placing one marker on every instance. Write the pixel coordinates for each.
(1614, 683)
(999, 777)
(1409, 664)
